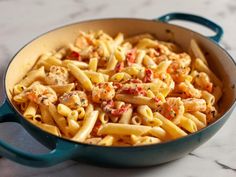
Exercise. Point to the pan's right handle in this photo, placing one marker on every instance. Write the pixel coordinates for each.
(63, 151)
(197, 19)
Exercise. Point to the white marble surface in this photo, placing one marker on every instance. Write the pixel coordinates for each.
(22, 20)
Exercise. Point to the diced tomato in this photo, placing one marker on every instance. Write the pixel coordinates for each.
(74, 56)
(119, 67)
(109, 107)
(157, 100)
(117, 85)
(120, 111)
(134, 91)
(148, 75)
(130, 56)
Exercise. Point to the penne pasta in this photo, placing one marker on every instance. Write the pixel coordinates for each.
(123, 129)
(88, 124)
(138, 100)
(170, 127)
(188, 124)
(81, 77)
(159, 133)
(115, 91)
(200, 66)
(33, 76)
(60, 89)
(125, 118)
(198, 123)
(31, 110)
(197, 51)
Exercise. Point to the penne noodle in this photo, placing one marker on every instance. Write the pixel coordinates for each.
(111, 63)
(198, 123)
(81, 77)
(136, 120)
(31, 110)
(188, 124)
(144, 140)
(123, 129)
(48, 128)
(208, 97)
(126, 116)
(46, 116)
(88, 124)
(106, 141)
(59, 119)
(93, 63)
(137, 100)
(201, 117)
(200, 66)
(32, 76)
(79, 64)
(159, 133)
(197, 51)
(170, 127)
(149, 63)
(63, 110)
(94, 76)
(140, 56)
(60, 89)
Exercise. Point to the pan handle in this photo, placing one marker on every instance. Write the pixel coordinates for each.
(63, 150)
(197, 19)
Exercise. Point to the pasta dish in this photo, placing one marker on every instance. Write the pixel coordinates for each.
(117, 91)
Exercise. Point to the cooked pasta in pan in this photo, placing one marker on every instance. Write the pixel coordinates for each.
(120, 91)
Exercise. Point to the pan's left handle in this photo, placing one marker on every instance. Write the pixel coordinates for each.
(63, 151)
(196, 19)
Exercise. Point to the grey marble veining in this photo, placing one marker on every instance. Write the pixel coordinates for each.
(22, 20)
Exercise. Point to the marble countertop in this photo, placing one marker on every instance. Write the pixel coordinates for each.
(22, 20)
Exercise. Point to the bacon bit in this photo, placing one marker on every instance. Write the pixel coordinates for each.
(96, 127)
(120, 111)
(130, 56)
(119, 67)
(148, 75)
(209, 87)
(74, 56)
(134, 91)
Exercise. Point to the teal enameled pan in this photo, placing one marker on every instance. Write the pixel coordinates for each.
(63, 149)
